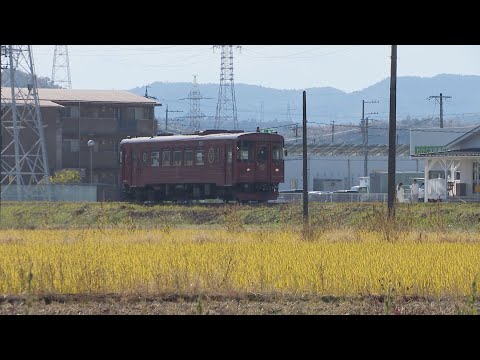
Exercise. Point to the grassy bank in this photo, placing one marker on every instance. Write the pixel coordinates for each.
(423, 217)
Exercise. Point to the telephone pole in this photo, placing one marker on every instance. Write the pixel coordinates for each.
(392, 130)
(166, 116)
(364, 125)
(333, 130)
(440, 98)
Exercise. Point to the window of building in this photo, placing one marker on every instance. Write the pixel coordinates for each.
(188, 161)
(437, 174)
(74, 111)
(199, 157)
(166, 157)
(177, 157)
(155, 158)
(71, 145)
(139, 113)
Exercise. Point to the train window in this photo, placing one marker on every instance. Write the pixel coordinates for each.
(229, 154)
(199, 158)
(177, 158)
(144, 157)
(245, 151)
(121, 153)
(277, 153)
(155, 158)
(165, 157)
(188, 157)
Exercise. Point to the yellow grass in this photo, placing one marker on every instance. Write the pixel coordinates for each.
(214, 261)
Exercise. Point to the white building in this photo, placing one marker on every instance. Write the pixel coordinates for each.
(452, 161)
(339, 166)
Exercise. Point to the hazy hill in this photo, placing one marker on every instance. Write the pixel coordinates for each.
(327, 104)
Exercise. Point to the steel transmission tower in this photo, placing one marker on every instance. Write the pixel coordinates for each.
(226, 106)
(24, 154)
(195, 114)
(61, 67)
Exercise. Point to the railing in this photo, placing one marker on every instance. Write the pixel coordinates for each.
(333, 197)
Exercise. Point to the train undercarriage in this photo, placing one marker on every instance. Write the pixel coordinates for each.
(247, 192)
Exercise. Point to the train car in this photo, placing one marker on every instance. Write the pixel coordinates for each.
(210, 164)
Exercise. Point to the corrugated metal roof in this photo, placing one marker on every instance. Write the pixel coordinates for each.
(104, 96)
(43, 103)
(345, 150)
(451, 153)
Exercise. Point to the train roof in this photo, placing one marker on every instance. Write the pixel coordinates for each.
(179, 138)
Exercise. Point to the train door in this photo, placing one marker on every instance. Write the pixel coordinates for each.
(137, 169)
(263, 162)
(228, 165)
(127, 165)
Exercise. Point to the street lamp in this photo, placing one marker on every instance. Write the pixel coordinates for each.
(91, 144)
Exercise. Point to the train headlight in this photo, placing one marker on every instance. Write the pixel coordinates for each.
(277, 170)
(248, 169)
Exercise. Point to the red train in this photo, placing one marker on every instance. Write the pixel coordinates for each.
(211, 164)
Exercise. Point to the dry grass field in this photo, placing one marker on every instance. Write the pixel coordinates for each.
(374, 267)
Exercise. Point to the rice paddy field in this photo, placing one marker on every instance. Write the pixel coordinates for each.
(133, 259)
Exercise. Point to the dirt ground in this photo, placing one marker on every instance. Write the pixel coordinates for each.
(114, 304)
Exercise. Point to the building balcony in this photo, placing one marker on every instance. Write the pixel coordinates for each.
(100, 160)
(106, 126)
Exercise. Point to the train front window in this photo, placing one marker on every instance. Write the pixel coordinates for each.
(262, 154)
(245, 151)
(277, 153)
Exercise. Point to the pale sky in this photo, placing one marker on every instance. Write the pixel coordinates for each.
(348, 68)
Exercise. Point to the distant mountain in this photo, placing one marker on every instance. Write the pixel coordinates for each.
(327, 104)
(22, 80)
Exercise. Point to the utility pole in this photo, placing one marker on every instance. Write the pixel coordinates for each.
(166, 116)
(305, 163)
(296, 132)
(392, 129)
(365, 134)
(441, 97)
(333, 130)
(154, 128)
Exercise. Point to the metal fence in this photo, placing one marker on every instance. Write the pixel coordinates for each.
(333, 197)
(56, 192)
